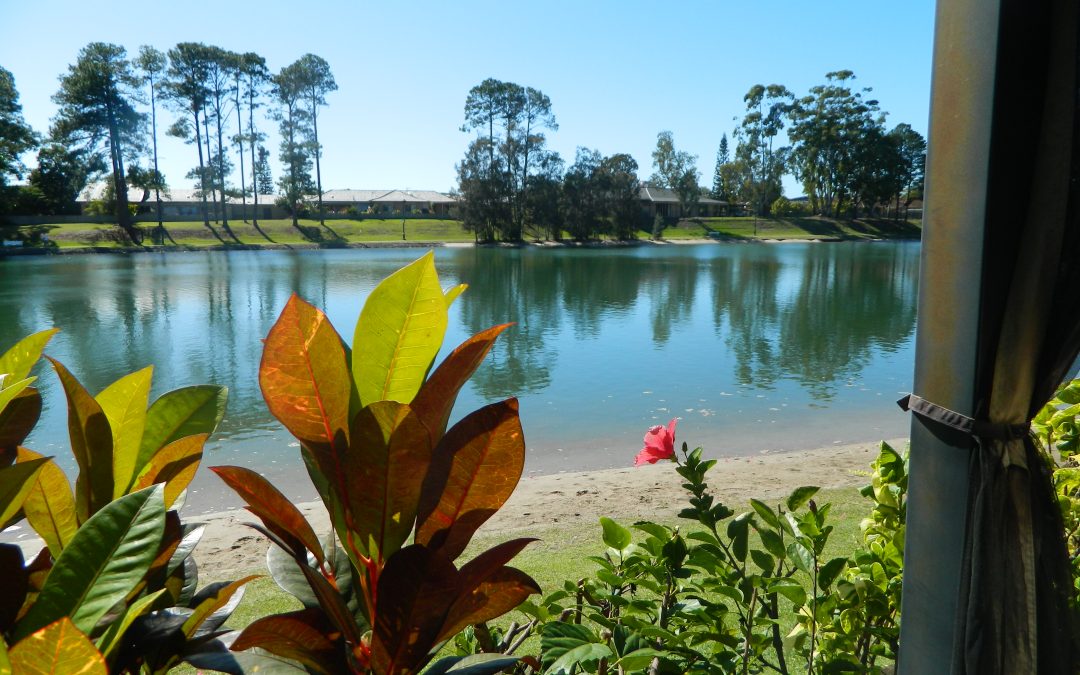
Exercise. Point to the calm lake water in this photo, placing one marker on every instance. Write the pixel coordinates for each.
(756, 347)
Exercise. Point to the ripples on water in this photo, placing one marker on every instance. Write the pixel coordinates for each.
(756, 347)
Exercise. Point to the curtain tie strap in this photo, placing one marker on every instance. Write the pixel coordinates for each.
(950, 418)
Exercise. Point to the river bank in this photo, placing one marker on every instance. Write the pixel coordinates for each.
(84, 238)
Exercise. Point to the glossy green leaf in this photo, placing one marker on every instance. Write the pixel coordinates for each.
(174, 466)
(739, 531)
(616, 536)
(474, 470)
(399, 333)
(473, 664)
(304, 375)
(124, 403)
(829, 571)
(790, 589)
(801, 556)
(766, 513)
(568, 647)
(20, 359)
(275, 510)
(763, 560)
(16, 483)
(91, 443)
(57, 649)
(773, 543)
(106, 559)
(800, 496)
(179, 413)
(303, 636)
(50, 506)
(415, 591)
(438, 394)
(389, 457)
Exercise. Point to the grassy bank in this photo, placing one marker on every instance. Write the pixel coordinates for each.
(562, 554)
(70, 237)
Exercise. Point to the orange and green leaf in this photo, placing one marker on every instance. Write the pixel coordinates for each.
(174, 465)
(50, 506)
(389, 459)
(416, 590)
(91, 443)
(275, 510)
(16, 483)
(57, 649)
(303, 636)
(437, 396)
(474, 470)
(305, 375)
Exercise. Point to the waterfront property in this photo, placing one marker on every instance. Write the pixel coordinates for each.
(663, 202)
(186, 205)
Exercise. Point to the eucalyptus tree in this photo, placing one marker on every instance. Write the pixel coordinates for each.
(252, 79)
(675, 170)
(828, 130)
(152, 63)
(96, 100)
(294, 122)
(618, 182)
(767, 109)
(317, 81)
(16, 136)
(186, 89)
(911, 148)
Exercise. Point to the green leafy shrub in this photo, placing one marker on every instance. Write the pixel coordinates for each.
(745, 592)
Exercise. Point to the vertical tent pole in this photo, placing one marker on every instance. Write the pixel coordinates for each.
(965, 52)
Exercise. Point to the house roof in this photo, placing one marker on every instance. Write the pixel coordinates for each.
(187, 195)
(664, 196)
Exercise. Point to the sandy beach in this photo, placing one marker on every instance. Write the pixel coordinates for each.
(572, 499)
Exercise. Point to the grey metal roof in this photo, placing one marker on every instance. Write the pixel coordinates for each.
(650, 193)
(187, 195)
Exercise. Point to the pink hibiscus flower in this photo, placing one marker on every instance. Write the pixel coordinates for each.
(659, 444)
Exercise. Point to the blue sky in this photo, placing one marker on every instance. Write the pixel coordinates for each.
(617, 73)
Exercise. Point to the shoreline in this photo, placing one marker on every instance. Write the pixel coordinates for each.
(218, 248)
(229, 547)
(574, 499)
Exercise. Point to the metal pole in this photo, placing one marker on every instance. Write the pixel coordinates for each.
(965, 51)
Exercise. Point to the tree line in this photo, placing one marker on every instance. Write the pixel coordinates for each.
(107, 126)
(512, 186)
(838, 149)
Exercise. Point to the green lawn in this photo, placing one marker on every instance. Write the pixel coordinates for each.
(561, 554)
(340, 233)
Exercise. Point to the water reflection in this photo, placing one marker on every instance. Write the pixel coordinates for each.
(605, 339)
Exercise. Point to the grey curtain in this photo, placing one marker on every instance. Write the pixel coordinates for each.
(1015, 611)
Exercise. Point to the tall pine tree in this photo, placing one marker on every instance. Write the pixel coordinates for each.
(719, 188)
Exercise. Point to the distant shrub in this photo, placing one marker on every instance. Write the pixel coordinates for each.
(785, 207)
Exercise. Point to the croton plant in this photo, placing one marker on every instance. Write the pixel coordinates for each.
(405, 495)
